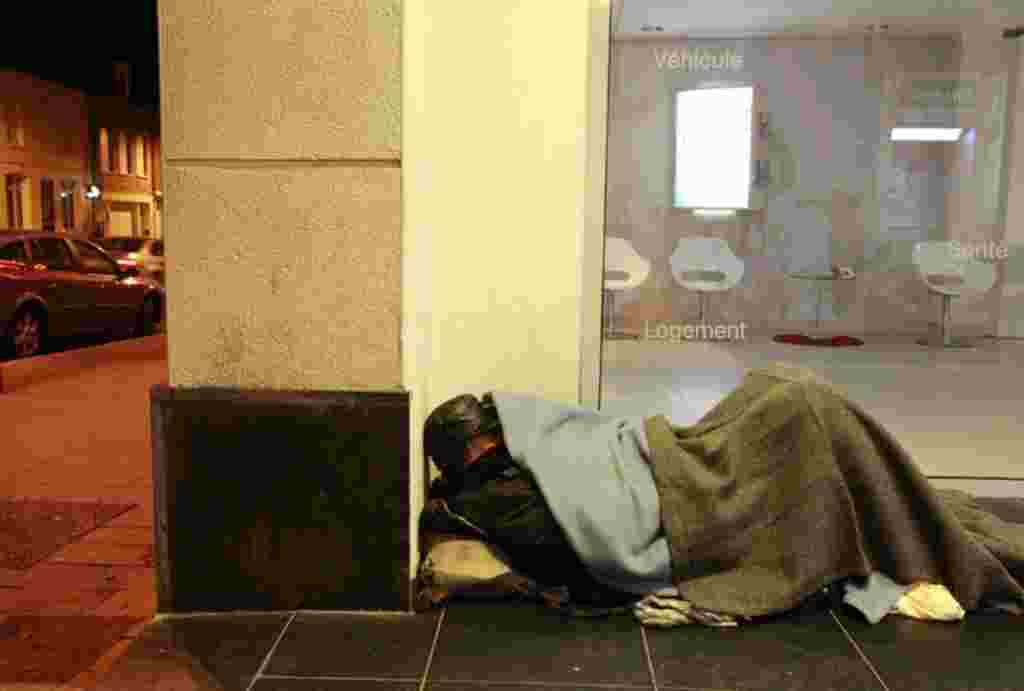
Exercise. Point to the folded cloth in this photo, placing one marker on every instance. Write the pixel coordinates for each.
(880, 596)
(666, 608)
(876, 597)
(930, 601)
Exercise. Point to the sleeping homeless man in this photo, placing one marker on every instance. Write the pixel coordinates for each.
(784, 491)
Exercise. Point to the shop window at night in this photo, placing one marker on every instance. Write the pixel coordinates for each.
(123, 162)
(16, 127)
(67, 202)
(12, 189)
(106, 154)
(46, 199)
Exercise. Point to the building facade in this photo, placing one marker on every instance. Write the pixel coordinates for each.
(127, 168)
(56, 143)
(44, 155)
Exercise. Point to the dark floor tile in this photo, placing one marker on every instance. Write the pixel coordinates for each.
(293, 684)
(196, 653)
(54, 649)
(982, 652)
(379, 645)
(805, 650)
(475, 686)
(519, 642)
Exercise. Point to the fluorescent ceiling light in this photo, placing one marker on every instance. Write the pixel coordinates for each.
(714, 213)
(926, 134)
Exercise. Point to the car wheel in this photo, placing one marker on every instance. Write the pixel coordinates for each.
(149, 316)
(27, 333)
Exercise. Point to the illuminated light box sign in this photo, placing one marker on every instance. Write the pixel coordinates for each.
(698, 59)
(714, 148)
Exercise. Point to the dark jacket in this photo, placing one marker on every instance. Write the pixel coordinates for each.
(505, 503)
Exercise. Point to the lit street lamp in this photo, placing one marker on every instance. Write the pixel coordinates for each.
(92, 193)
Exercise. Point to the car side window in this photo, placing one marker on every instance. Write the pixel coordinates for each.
(14, 252)
(92, 260)
(52, 253)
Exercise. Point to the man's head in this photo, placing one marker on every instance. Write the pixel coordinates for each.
(457, 431)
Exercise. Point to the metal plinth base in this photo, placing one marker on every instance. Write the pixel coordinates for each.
(942, 339)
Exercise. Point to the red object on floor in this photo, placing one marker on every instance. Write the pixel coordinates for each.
(794, 339)
(839, 341)
(833, 341)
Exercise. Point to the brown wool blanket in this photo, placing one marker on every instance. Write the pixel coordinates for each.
(787, 486)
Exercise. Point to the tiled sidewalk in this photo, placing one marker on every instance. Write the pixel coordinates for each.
(83, 438)
(67, 618)
(481, 646)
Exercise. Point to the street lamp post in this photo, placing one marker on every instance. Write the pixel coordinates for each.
(92, 193)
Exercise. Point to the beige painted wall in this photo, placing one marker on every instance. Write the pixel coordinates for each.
(283, 205)
(496, 114)
(502, 199)
(281, 130)
(592, 278)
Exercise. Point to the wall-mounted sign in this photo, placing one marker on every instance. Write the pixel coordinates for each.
(698, 59)
(714, 148)
(938, 93)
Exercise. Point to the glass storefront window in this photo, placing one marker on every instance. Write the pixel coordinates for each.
(782, 195)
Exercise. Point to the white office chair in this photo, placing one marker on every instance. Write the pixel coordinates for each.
(705, 265)
(950, 274)
(624, 269)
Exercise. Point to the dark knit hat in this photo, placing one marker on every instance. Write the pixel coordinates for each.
(451, 426)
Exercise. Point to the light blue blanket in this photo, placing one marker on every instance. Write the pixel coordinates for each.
(593, 471)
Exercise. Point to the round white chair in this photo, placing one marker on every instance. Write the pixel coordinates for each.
(705, 265)
(624, 269)
(950, 274)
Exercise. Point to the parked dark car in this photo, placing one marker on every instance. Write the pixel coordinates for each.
(55, 285)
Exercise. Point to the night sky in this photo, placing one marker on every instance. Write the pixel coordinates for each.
(75, 43)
